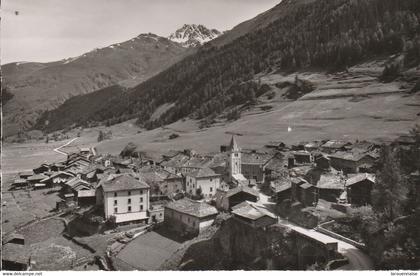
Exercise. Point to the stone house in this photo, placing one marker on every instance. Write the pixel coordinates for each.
(189, 217)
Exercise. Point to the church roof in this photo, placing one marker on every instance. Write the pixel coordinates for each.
(233, 145)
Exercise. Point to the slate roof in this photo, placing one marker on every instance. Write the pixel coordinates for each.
(15, 253)
(334, 144)
(306, 186)
(330, 181)
(75, 181)
(281, 185)
(193, 208)
(37, 177)
(122, 182)
(360, 177)
(239, 189)
(27, 174)
(197, 162)
(255, 158)
(251, 210)
(352, 156)
(203, 172)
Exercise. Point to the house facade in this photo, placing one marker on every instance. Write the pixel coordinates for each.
(204, 180)
(124, 198)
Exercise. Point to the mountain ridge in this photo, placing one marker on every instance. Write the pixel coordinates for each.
(193, 35)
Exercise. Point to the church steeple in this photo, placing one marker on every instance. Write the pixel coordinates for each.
(234, 161)
(233, 145)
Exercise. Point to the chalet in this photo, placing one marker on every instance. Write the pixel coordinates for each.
(84, 192)
(350, 162)
(41, 169)
(275, 168)
(303, 157)
(124, 198)
(57, 178)
(26, 175)
(312, 146)
(218, 163)
(303, 192)
(275, 145)
(15, 257)
(334, 146)
(204, 180)
(161, 182)
(330, 186)
(36, 178)
(173, 164)
(322, 161)
(253, 165)
(225, 199)
(253, 214)
(189, 217)
(359, 188)
(56, 167)
(193, 164)
(19, 183)
(90, 173)
(281, 189)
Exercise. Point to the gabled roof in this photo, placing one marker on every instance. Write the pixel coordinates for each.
(281, 185)
(193, 208)
(334, 144)
(28, 173)
(203, 172)
(258, 158)
(252, 210)
(241, 188)
(360, 177)
(37, 177)
(122, 182)
(61, 173)
(76, 181)
(330, 181)
(351, 156)
(306, 186)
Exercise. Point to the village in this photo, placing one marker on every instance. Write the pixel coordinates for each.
(134, 211)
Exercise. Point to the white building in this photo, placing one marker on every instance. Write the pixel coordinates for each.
(124, 197)
(234, 163)
(204, 179)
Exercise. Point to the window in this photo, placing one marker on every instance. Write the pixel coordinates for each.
(115, 210)
(160, 214)
(141, 199)
(211, 179)
(115, 194)
(211, 189)
(129, 201)
(115, 202)
(129, 192)
(129, 209)
(141, 207)
(141, 192)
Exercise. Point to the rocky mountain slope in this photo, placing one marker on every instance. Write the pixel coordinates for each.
(37, 87)
(192, 35)
(296, 35)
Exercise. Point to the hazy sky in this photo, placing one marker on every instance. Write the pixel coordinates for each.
(48, 30)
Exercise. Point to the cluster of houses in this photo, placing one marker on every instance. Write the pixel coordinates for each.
(187, 190)
(335, 171)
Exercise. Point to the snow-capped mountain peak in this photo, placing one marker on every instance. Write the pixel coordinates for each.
(192, 35)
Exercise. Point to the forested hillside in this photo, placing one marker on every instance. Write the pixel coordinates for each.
(317, 34)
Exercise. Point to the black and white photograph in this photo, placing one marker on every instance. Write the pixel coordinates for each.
(210, 135)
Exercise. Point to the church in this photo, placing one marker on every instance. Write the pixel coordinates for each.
(234, 164)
